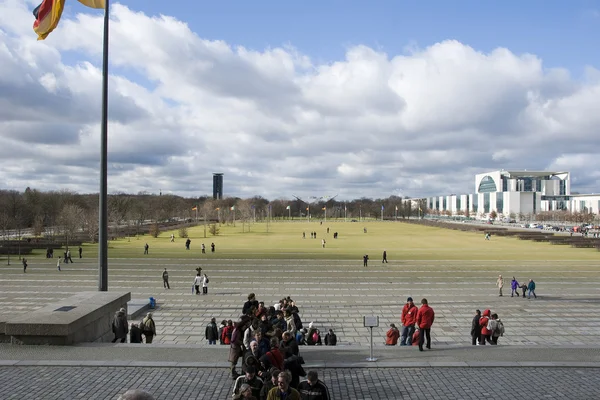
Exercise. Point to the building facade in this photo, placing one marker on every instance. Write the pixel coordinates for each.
(516, 193)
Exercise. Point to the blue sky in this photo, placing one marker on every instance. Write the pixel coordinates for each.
(555, 30)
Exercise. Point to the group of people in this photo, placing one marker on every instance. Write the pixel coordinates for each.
(267, 341)
(515, 286)
(188, 242)
(120, 328)
(486, 327)
(416, 326)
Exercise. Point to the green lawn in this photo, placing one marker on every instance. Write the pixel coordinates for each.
(402, 241)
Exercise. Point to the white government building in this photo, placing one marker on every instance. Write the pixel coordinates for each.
(517, 193)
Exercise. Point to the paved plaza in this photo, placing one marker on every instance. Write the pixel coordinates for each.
(336, 294)
(549, 351)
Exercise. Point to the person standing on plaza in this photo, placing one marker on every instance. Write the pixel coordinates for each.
(313, 388)
(187, 244)
(24, 261)
(236, 348)
(531, 288)
(500, 284)
(212, 247)
(148, 328)
(365, 260)
(120, 326)
(146, 248)
(408, 319)
(80, 252)
(212, 334)
(203, 248)
(198, 282)
(486, 334)
(58, 263)
(514, 287)
(384, 259)
(204, 284)
(69, 256)
(165, 276)
(135, 334)
(425, 318)
(476, 328)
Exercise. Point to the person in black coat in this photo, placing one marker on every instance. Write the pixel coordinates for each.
(212, 332)
(330, 338)
(475, 328)
(135, 334)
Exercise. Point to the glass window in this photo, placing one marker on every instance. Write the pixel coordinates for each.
(499, 203)
(487, 185)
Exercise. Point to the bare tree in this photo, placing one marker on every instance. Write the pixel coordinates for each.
(90, 224)
(244, 209)
(71, 219)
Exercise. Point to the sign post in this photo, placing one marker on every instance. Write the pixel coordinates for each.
(371, 322)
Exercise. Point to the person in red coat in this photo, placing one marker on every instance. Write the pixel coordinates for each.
(391, 337)
(425, 317)
(409, 319)
(486, 334)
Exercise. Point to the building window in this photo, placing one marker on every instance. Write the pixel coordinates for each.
(437, 204)
(504, 184)
(487, 185)
(458, 204)
(475, 203)
(563, 187)
(469, 208)
(534, 203)
(486, 203)
(500, 204)
(445, 205)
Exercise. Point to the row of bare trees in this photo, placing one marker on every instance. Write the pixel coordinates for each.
(67, 214)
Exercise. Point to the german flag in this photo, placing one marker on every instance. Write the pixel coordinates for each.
(48, 13)
(194, 208)
(47, 16)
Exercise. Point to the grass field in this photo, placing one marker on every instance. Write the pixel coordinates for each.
(283, 240)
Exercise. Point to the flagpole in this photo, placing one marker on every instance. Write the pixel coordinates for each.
(102, 206)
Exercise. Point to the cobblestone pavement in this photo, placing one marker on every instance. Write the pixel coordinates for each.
(401, 383)
(336, 294)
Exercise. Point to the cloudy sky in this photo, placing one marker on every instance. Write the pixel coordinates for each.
(310, 98)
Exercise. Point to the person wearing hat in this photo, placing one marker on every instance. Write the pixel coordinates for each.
(148, 328)
(408, 319)
(250, 379)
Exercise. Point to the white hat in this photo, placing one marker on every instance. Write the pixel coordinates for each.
(310, 325)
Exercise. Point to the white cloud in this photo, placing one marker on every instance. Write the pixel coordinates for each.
(275, 121)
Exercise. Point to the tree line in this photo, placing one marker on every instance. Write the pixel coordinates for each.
(67, 214)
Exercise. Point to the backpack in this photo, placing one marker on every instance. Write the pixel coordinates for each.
(207, 279)
(142, 326)
(500, 328)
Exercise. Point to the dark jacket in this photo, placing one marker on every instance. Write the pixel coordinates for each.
(475, 327)
(119, 326)
(135, 335)
(248, 306)
(212, 333)
(267, 386)
(317, 392)
(290, 348)
(330, 339)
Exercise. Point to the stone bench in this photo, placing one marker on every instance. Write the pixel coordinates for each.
(84, 317)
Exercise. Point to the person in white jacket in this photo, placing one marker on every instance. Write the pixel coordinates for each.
(205, 284)
(197, 282)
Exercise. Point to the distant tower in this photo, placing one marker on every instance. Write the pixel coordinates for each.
(217, 186)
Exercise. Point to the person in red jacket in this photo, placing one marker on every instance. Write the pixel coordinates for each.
(425, 317)
(391, 337)
(486, 334)
(408, 319)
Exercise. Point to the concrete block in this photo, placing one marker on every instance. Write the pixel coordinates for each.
(84, 317)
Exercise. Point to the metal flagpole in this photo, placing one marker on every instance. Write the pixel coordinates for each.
(102, 206)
